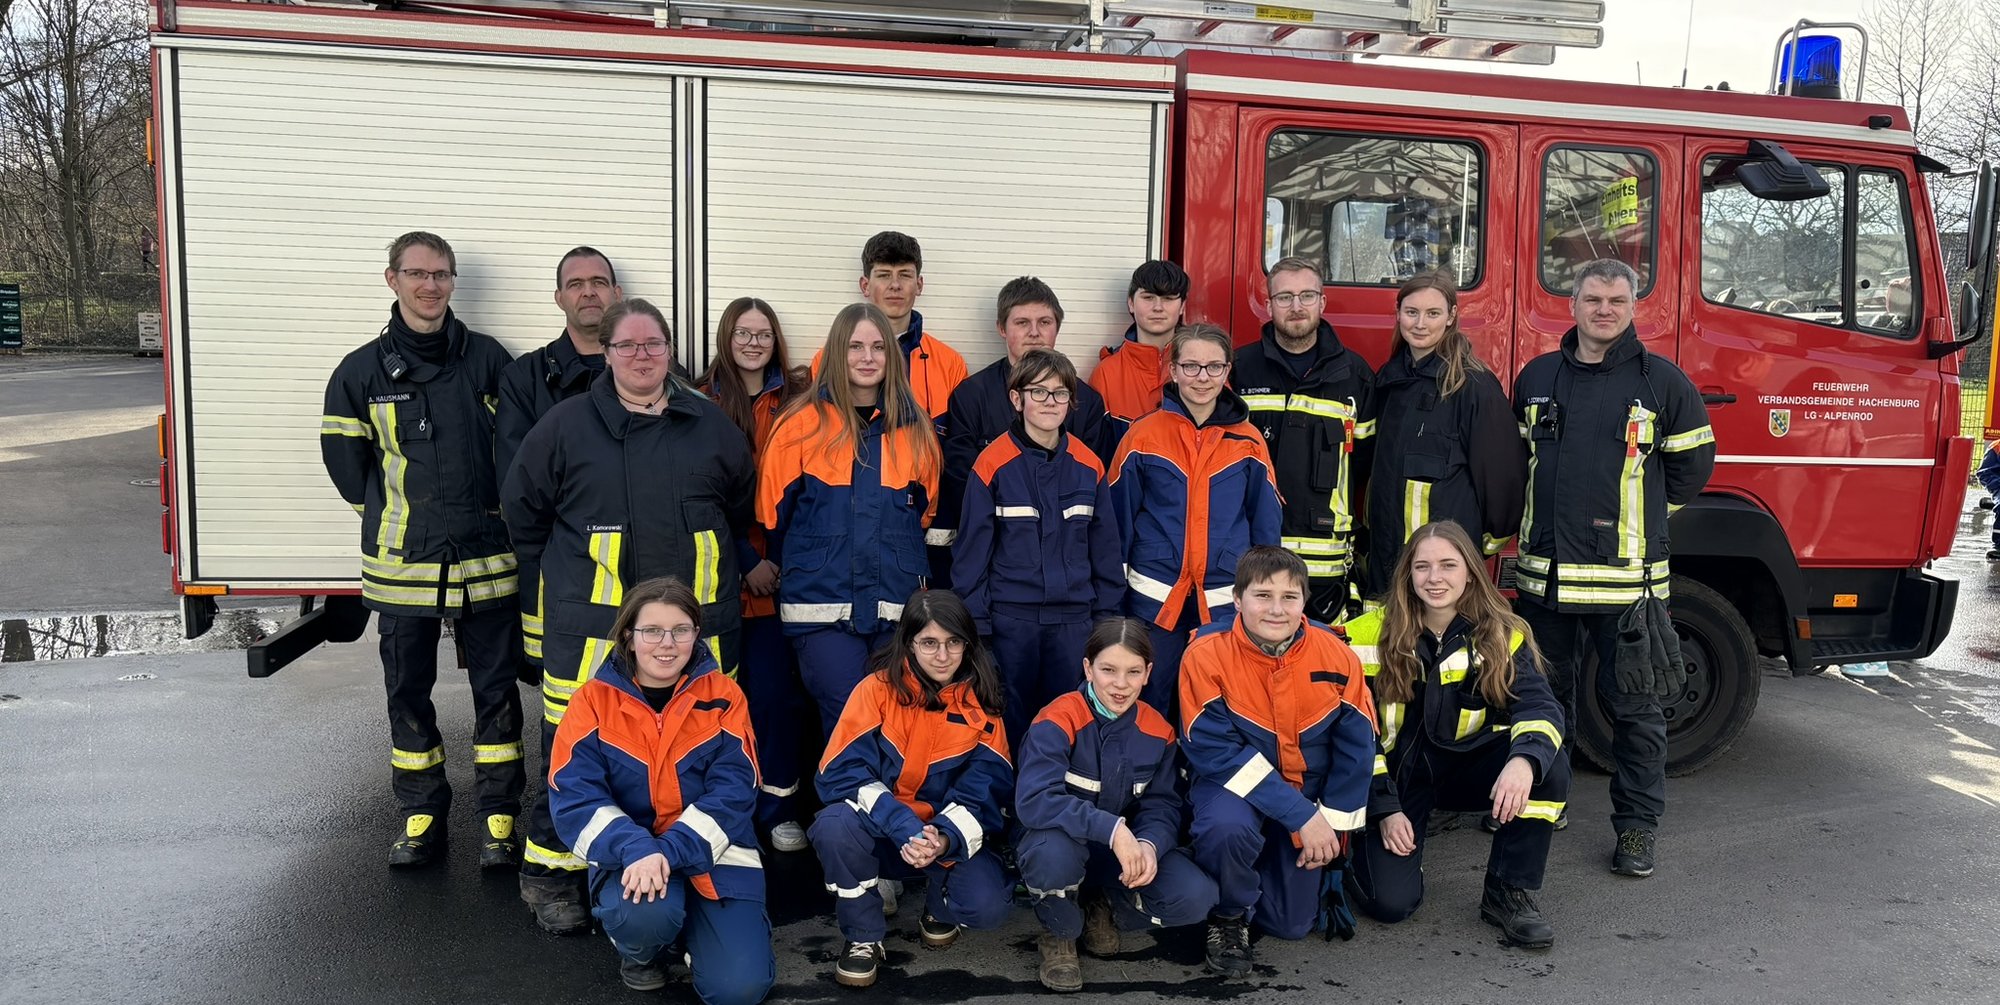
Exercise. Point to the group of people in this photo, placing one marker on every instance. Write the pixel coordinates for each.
(1149, 645)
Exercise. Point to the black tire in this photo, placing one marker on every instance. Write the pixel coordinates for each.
(1722, 689)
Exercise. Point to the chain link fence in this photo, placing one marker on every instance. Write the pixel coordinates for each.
(112, 303)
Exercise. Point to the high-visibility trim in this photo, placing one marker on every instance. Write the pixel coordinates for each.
(604, 817)
(1381, 765)
(1306, 547)
(1535, 563)
(1632, 484)
(1689, 440)
(707, 567)
(1492, 546)
(1364, 430)
(1081, 782)
(1221, 596)
(741, 857)
(1017, 513)
(817, 614)
(1528, 727)
(1533, 415)
(497, 753)
(869, 795)
(412, 596)
(1391, 714)
(496, 564)
(851, 892)
(1369, 655)
(1618, 574)
(1542, 809)
(1325, 408)
(968, 827)
(1416, 506)
(887, 611)
(552, 711)
(779, 793)
(940, 537)
(714, 644)
(1469, 721)
(491, 589)
(699, 821)
(1073, 512)
(1061, 894)
(1345, 820)
(395, 523)
(550, 858)
(1566, 593)
(1247, 777)
(341, 425)
(389, 567)
(605, 586)
(557, 687)
(594, 653)
(415, 760)
(1148, 587)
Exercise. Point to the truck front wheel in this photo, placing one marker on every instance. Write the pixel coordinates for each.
(1722, 686)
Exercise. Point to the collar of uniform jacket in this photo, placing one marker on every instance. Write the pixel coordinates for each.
(1330, 356)
(682, 402)
(1229, 406)
(404, 343)
(913, 335)
(1627, 347)
(1403, 367)
(614, 672)
(567, 364)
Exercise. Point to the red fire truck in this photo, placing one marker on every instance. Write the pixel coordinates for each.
(1789, 255)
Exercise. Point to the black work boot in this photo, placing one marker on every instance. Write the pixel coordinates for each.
(421, 843)
(1517, 915)
(641, 976)
(1229, 945)
(500, 848)
(1634, 856)
(562, 917)
(858, 966)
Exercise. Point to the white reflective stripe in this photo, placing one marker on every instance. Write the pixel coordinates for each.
(1535, 563)
(1221, 596)
(1010, 512)
(824, 614)
(1086, 784)
(549, 858)
(969, 828)
(1077, 511)
(1253, 771)
(1058, 894)
(772, 790)
(604, 817)
(737, 855)
(1841, 462)
(940, 537)
(1306, 547)
(1366, 654)
(1139, 788)
(710, 830)
(887, 611)
(851, 892)
(1345, 820)
(1148, 587)
(869, 794)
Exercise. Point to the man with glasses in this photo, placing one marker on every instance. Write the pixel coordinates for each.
(407, 437)
(1309, 396)
(1028, 316)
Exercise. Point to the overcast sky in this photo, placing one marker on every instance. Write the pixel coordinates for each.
(1644, 41)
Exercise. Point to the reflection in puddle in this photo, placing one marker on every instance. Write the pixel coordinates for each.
(81, 636)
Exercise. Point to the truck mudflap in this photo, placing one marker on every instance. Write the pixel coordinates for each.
(339, 618)
(1911, 627)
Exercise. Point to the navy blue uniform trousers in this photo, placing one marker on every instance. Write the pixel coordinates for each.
(1055, 867)
(779, 709)
(728, 941)
(1254, 863)
(1038, 663)
(856, 858)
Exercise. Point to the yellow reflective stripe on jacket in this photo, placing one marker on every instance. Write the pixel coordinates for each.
(1416, 506)
(392, 568)
(1632, 485)
(1325, 557)
(1391, 715)
(496, 753)
(1542, 809)
(1543, 726)
(1494, 545)
(556, 691)
(1381, 765)
(532, 625)
(415, 760)
(1347, 413)
(1698, 436)
(550, 858)
(1534, 414)
(707, 567)
(1470, 720)
(1364, 430)
(341, 425)
(395, 525)
(605, 587)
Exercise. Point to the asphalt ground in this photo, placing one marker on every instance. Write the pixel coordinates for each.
(175, 832)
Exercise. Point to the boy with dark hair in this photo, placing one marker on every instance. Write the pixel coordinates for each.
(1131, 374)
(892, 277)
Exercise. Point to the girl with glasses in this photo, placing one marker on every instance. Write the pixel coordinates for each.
(751, 380)
(848, 483)
(1445, 444)
(640, 477)
(653, 781)
(1038, 554)
(916, 779)
(1193, 487)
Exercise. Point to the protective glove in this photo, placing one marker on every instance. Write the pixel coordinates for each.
(1632, 659)
(1335, 917)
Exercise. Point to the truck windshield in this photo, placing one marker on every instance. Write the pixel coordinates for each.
(1373, 210)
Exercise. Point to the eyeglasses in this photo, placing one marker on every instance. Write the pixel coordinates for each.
(627, 350)
(1060, 395)
(930, 647)
(1192, 370)
(654, 636)
(442, 277)
(744, 336)
(1306, 299)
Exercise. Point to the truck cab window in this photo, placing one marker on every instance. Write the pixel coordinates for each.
(1373, 210)
(1598, 204)
(1883, 280)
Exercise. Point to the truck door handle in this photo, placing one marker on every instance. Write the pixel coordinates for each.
(1717, 398)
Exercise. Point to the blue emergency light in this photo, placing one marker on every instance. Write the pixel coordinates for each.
(1813, 62)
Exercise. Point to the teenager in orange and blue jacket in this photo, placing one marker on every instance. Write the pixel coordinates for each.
(1279, 735)
(1038, 555)
(848, 482)
(915, 780)
(652, 781)
(1194, 490)
(1100, 805)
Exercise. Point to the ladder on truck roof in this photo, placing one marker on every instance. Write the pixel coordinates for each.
(1510, 31)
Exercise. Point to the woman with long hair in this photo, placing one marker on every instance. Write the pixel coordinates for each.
(653, 782)
(1446, 444)
(1194, 489)
(915, 779)
(847, 484)
(1468, 722)
(752, 380)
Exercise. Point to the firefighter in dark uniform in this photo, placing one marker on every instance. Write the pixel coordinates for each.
(1309, 396)
(586, 285)
(641, 477)
(408, 440)
(1617, 437)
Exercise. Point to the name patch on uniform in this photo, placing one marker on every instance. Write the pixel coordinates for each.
(1253, 390)
(383, 399)
(604, 528)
